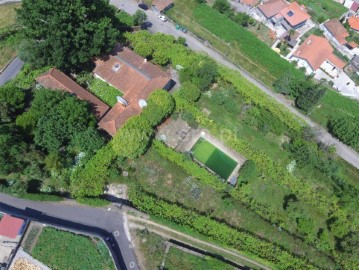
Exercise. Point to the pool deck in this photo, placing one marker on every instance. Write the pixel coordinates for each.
(182, 137)
(195, 134)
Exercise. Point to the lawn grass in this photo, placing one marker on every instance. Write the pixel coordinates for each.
(152, 249)
(213, 158)
(104, 91)
(334, 104)
(6, 54)
(8, 15)
(262, 32)
(177, 259)
(65, 250)
(321, 10)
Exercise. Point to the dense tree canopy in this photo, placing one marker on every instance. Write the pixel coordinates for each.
(12, 99)
(66, 33)
(12, 149)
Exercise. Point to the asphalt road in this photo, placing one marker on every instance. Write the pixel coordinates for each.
(11, 71)
(324, 136)
(99, 221)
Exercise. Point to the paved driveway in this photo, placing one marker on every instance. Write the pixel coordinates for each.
(342, 83)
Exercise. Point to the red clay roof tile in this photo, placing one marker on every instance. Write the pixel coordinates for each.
(55, 79)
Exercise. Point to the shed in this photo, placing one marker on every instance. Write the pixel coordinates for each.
(161, 6)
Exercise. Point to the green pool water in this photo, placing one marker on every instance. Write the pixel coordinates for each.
(213, 158)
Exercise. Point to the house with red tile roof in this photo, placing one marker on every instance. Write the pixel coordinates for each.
(316, 52)
(336, 32)
(55, 79)
(251, 3)
(135, 77)
(291, 16)
(271, 8)
(354, 23)
(11, 227)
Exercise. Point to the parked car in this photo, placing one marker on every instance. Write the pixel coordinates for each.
(143, 6)
(162, 18)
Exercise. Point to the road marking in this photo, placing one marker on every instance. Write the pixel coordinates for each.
(116, 233)
(125, 225)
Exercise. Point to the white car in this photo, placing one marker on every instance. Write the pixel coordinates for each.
(162, 18)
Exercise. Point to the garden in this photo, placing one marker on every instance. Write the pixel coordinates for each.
(65, 250)
(321, 10)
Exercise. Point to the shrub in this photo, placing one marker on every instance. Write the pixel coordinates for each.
(189, 92)
(189, 166)
(346, 129)
(309, 98)
(94, 201)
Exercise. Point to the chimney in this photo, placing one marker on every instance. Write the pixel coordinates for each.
(116, 67)
(145, 60)
(309, 41)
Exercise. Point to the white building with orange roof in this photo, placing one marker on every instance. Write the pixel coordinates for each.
(317, 53)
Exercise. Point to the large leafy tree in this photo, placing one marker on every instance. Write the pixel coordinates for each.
(12, 100)
(66, 33)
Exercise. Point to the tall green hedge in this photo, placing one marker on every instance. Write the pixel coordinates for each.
(239, 240)
(189, 166)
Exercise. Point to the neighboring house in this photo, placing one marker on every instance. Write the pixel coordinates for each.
(290, 16)
(55, 79)
(336, 32)
(11, 227)
(251, 3)
(354, 63)
(354, 23)
(161, 6)
(135, 77)
(316, 52)
(272, 7)
(11, 230)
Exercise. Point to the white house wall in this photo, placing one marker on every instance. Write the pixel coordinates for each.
(303, 63)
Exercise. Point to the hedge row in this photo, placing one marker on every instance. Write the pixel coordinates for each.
(189, 166)
(273, 169)
(218, 231)
(90, 179)
(261, 99)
